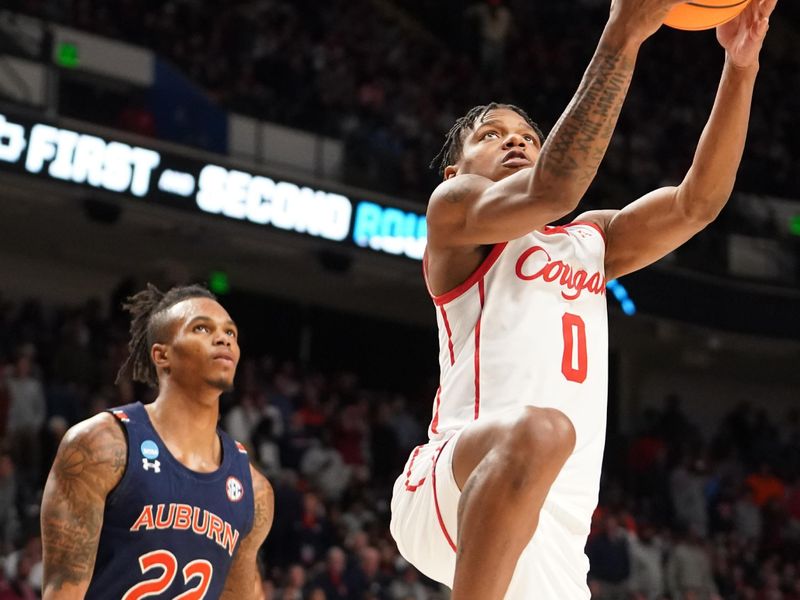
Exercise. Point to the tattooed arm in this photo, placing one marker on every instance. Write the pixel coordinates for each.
(480, 203)
(244, 582)
(89, 463)
(659, 222)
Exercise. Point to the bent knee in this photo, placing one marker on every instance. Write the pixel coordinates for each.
(543, 432)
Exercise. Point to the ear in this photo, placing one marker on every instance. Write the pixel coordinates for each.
(160, 355)
(450, 171)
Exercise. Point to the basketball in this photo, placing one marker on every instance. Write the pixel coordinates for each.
(706, 14)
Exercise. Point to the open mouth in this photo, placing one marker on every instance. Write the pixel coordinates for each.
(515, 157)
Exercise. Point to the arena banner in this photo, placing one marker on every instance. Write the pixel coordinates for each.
(145, 174)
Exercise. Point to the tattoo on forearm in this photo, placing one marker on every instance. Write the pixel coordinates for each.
(579, 140)
(86, 467)
(243, 575)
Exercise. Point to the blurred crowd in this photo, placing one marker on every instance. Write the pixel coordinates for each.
(389, 78)
(683, 514)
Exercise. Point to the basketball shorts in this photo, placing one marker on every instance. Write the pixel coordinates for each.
(553, 565)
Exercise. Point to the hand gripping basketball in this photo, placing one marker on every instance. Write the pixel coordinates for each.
(639, 19)
(743, 36)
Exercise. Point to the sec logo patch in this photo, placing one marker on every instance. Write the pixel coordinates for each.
(234, 489)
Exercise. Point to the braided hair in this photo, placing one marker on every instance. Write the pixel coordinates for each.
(454, 141)
(149, 325)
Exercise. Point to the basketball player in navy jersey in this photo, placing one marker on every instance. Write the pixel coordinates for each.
(155, 501)
(498, 503)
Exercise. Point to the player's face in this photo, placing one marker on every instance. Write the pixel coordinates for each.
(499, 144)
(205, 346)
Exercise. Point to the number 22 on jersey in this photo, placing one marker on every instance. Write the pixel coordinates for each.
(166, 561)
(573, 361)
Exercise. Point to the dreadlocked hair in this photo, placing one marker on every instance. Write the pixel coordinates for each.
(454, 141)
(148, 326)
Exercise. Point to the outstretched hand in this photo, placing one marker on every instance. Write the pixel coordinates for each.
(743, 36)
(640, 19)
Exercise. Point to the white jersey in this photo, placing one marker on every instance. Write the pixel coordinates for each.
(530, 327)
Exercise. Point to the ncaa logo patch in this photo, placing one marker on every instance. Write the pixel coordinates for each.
(234, 489)
(149, 449)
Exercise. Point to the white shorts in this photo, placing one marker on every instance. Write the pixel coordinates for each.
(552, 566)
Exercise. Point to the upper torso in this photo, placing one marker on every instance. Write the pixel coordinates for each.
(529, 327)
(168, 530)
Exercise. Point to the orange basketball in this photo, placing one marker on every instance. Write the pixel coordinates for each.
(704, 14)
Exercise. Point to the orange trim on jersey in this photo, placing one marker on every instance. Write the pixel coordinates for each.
(550, 230)
(120, 414)
(476, 276)
(449, 334)
(481, 293)
(435, 421)
(436, 500)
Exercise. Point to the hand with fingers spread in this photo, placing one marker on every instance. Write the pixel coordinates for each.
(639, 19)
(743, 36)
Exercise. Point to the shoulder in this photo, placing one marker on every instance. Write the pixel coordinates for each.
(449, 204)
(455, 192)
(264, 505)
(601, 219)
(262, 489)
(94, 449)
(102, 429)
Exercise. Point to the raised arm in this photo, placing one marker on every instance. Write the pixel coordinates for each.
(244, 582)
(662, 220)
(472, 209)
(89, 463)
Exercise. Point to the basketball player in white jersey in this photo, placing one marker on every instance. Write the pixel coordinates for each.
(498, 504)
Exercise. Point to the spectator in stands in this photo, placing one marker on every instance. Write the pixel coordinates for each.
(647, 553)
(747, 516)
(9, 516)
(609, 556)
(408, 585)
(324, 468)
(26, 415)
(312, 533)
(689, 574)
(765, 485)
(336, 581)
(687, 491)
(494, 24)
(23, 569)
(294, 587)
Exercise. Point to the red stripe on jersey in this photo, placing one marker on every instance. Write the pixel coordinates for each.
(590, 224)
(550, 230)
(435, 422)
(449, 334)
(425, 272)
(436, 500)
(478, 352)
(409, 486)
(479, 273)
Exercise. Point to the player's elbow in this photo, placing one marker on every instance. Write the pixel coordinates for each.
(701, 206)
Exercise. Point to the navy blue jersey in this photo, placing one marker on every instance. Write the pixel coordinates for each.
(169, 532)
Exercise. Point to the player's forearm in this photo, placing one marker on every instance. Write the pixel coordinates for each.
(68, 592)
(709, 182)
(577, 144)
